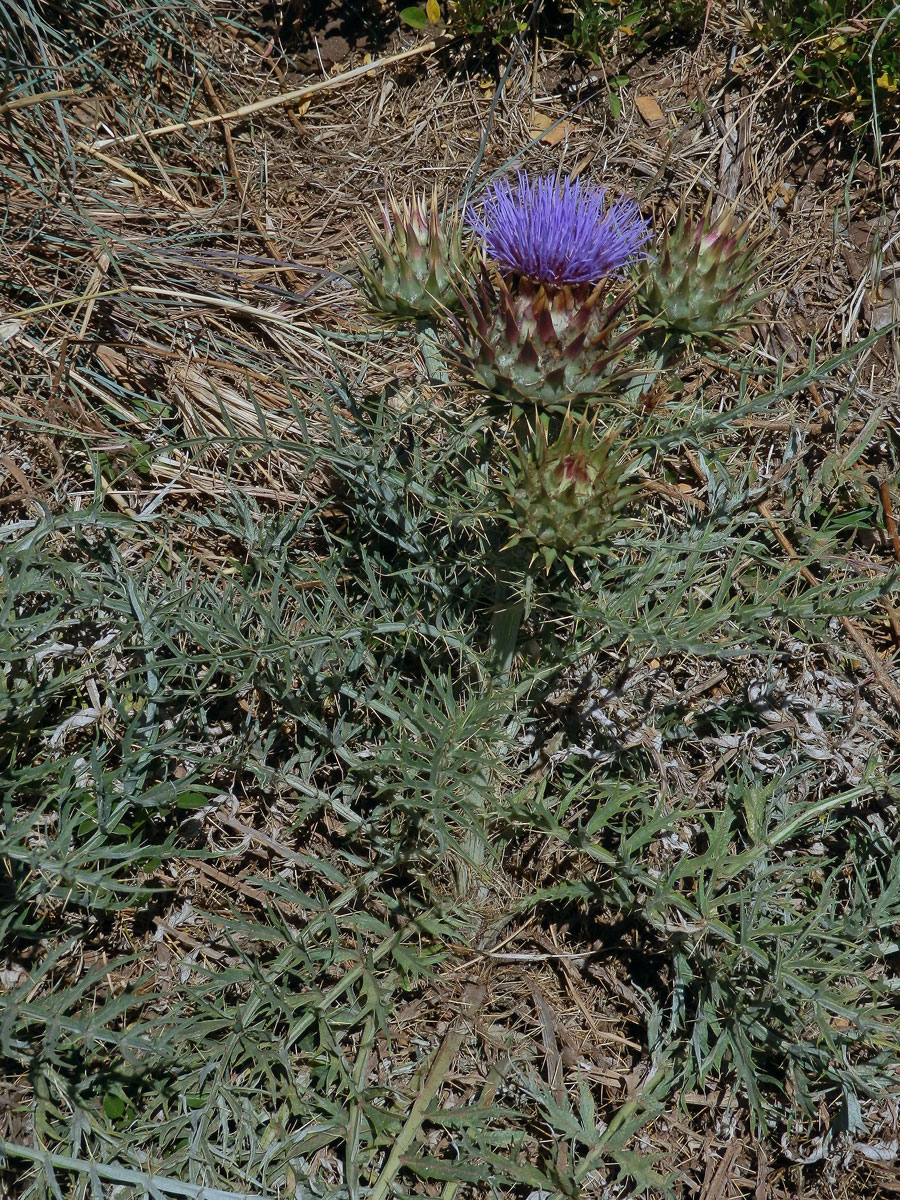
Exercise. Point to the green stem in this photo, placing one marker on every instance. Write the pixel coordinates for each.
(507, 621)
(437, 1074)
(509, 609)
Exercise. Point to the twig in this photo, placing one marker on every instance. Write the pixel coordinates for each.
(718, 1177)
(550, 1039)
(103, 262)
(264, 839)
(293, 114)
(819, 402)
(135, 177)
(884, 490)
(440, 1066)
(578, 960)
(27, 101)
(235, 882)
(661, 488)
(248, 110)
(766, 424)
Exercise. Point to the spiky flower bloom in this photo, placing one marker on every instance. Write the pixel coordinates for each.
(700, 285)
(418, 262)
(558, 233)
(546, 331)
(567, 496)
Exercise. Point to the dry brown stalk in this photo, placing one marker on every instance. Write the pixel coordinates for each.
(472, 1000)
(884, 490)
(257, 106)
(138, 179)
(28, 101)
(258, 224)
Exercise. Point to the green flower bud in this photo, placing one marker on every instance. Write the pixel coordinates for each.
(418, 261)
(567, 496)
(699, 287)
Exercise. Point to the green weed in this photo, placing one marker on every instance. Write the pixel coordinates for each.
(596, 27)
(844, 55)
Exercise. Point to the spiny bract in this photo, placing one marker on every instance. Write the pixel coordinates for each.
(530, 344)
(418, 262)
(567, 496)
(699, 287)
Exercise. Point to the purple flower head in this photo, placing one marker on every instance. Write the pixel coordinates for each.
(558, 233)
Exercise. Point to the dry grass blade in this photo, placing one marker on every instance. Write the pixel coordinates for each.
(472, 1001)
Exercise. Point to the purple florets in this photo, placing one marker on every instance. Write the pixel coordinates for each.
(558, 233)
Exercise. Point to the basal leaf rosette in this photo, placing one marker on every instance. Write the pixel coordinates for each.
(548, 327)
(419, 260)
(566, 497)
(700, 285)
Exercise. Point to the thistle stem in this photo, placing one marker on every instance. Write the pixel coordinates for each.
(506, 621)
(509, 609)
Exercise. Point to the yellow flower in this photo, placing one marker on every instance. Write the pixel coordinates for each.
(885, 81)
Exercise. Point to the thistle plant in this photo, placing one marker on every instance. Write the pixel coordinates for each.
(419, 260)
(567, 496)
(548, 328)
(699, 287)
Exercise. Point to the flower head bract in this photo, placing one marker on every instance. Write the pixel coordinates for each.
(700, 284)
(418, 260)
(558, 233)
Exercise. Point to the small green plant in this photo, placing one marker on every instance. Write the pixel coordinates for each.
(592, 27)
(498, 19)
(845, 53)
(598, 26)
